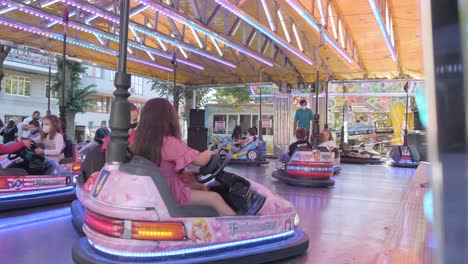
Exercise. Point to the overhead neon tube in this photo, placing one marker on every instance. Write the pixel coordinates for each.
(305, 15)
(150, 31)
(268, 15)
(76, 42)
(385, 34)
(283, 24)
(244, 16)
(203, 30)
(43, 14)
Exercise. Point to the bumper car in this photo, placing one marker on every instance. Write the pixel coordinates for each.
(131, 216)
(252, 154)
(307, 168)
(403, 156)
(361, 156)
(26, 182)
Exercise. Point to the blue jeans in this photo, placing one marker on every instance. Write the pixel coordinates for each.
(49, 165)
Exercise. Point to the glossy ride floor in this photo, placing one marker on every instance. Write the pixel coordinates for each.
(346, 224)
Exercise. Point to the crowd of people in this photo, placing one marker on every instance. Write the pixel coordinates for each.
(156, 138)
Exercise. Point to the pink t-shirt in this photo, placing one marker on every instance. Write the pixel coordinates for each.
(175, 155)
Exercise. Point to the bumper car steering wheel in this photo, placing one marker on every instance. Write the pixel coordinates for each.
(211, 170)
(22, 152)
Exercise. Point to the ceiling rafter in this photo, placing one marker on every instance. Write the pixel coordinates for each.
(158, 35)
(354, 48)
(272, 35)
(192, 22)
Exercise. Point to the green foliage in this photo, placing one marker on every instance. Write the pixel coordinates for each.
(176, 95)
(166, 90)
(239, 95)
(78, 97)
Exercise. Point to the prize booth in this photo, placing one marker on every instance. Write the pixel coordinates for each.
(371, 113)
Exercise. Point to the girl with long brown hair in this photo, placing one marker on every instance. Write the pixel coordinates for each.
(158, 138)
(52, 138)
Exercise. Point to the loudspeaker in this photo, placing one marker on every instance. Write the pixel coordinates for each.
(197, 118)
(198, 138)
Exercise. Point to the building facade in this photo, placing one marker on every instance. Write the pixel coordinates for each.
(25, 88)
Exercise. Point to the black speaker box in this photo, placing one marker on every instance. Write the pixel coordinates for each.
(197, 118)
(198, 138)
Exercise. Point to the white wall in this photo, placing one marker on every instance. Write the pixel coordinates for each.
(26, 105)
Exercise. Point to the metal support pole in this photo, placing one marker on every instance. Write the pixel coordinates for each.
(120, 113)
(194, 103)
(405, 136)
(342, 141)
(326, 107)
(316, 126)
(48, 89)
(260, 128)
(63, 102)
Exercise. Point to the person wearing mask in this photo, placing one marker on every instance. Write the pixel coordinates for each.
(24, 126)
(9, 132)
(158, 139)
(52, 138)
(101, 132)
(303, 118)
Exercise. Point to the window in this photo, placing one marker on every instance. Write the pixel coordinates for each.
(137, 85)
(99, 105)
(219, 124)
(17, 118)
(267, 124)
(232, 123)
(95, 72)
(111, 75)
(53, 94)
(245, 121)
(17, 85)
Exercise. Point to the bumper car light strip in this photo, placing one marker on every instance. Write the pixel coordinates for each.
(191, 250)
(35, 193)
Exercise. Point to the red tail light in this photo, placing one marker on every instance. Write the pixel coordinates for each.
(3, 184)
(104, 225)
(139, 229)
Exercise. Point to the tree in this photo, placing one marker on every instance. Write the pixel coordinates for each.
(167, 90)
(239, 95)
(4, 51)
(78, 97)
(176, 95)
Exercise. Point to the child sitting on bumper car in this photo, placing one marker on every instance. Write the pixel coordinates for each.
(238, 145)
(158, 139)
(301, 142)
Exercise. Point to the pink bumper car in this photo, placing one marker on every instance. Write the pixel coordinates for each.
(130, 216)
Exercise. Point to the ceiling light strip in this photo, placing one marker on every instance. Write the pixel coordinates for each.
(181, 19)
(75, 42)
(322, 16)
(385, 34)
(91, 30)
(268, 15)
(197, 38)
(183, 52)
(285, 28)
(247, 18)
(305, 15)
(217, 47)
(298, 40)
(151, 32)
